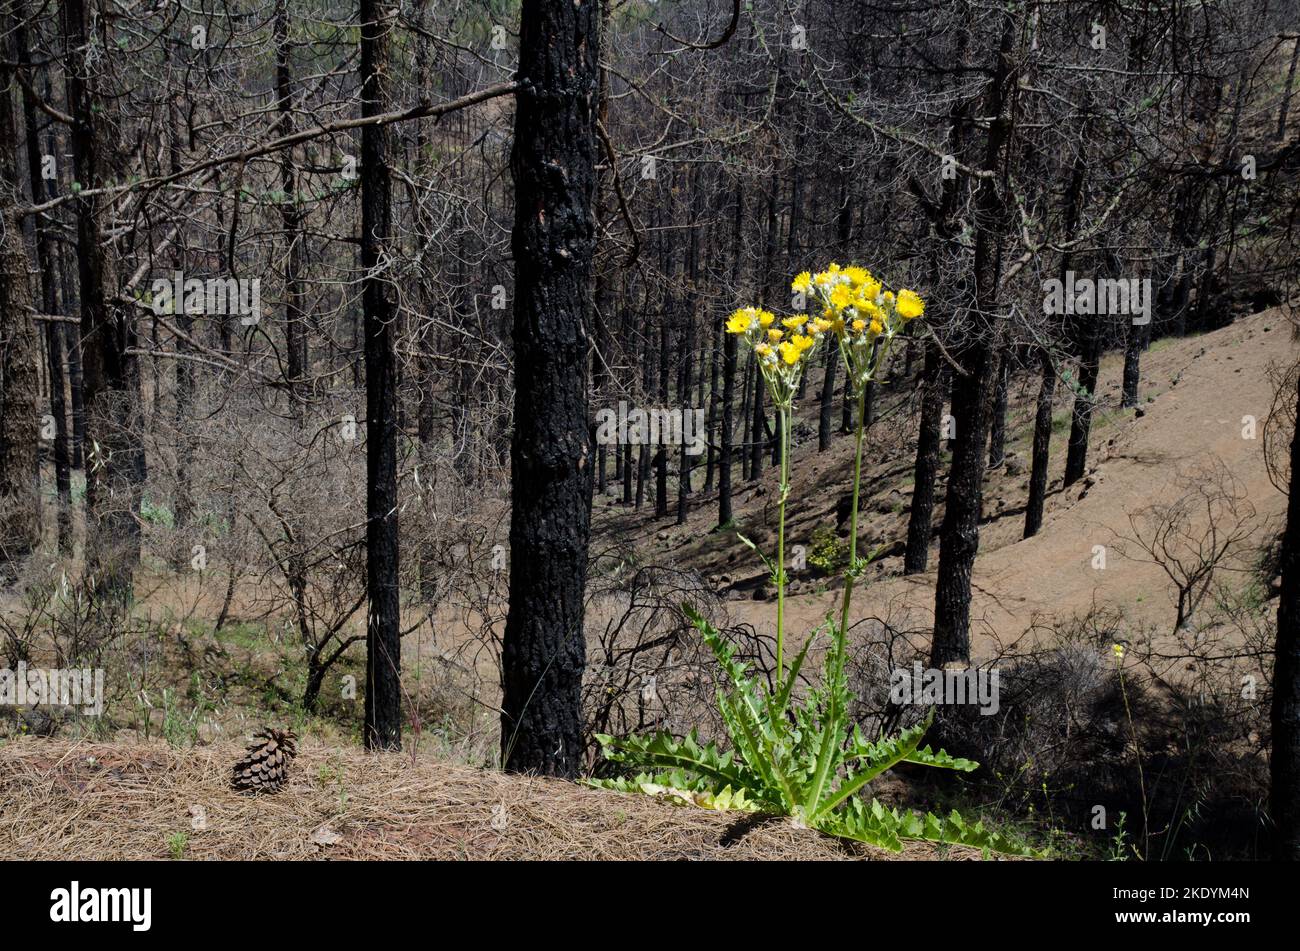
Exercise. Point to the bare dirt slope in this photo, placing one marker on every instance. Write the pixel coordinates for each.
(1195, 393)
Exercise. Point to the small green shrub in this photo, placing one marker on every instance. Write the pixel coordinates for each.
(177, 842)
(827, 553)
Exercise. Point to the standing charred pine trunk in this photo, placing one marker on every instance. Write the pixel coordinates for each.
(183, 497)
(1076, 456)
(917, 555)
(1042, 444)
(685, 458)
(729, 370)
(826, 413)
(661, 453)
(711, 420)
(599, 368)
(998, 426)
(72, 343)
(1047, 381)
(1087, 330)
(1135, 342)
(295, 329)
(383, 714)
(973, 390)
(110, 377)
(553, 162)
(728, 428)
(1285, 797)
(941, 216)
(644, 452)
(47, 263)
(604, 309)
(19, 377)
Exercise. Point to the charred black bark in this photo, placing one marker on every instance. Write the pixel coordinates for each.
(973, 390)
(998, 427)
(1042, 445)
(19, 347)
(553, 161)
(382, 729)
(47, 264)
(1285, 795)
(1076, 458)
(295, 329)
(110, 377)
(1134, 344)
(919, 520)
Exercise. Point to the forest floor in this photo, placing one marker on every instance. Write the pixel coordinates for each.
(87, 801)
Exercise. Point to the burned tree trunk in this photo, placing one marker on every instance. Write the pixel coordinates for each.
(917, 555)
(729, 369)
(553, 163)
(110, 377)
(383, 706)
(1047, 385)
(46, 261)
(1076, 458)
(728, 428)
(1285, 795)
(295, 329)
(19, 377)
(998, 427)
(1134, 343)
(973, 390)
(1042, 445)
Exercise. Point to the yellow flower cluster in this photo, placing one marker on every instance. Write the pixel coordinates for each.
(863, 316)
(782, 347)
(855, 309)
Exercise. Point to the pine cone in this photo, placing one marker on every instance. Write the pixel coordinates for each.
(265, 766)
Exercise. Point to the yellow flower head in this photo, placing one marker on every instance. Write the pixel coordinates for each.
(841, 296)
(765, 318)
(909, 304)
(790, 353)
(859, 325)
(801, 283)
(741, 321)
(794, 323)
(774, 335)
(858, 275)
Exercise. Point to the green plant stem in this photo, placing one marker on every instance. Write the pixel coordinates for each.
(853, 517)
(783, 414)
(1137, 755)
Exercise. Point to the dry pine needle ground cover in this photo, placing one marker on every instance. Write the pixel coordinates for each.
(77, 800)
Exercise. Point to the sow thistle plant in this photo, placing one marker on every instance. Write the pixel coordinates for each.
(801, 756)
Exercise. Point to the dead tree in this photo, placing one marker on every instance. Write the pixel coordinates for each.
(383, 708)
(554, 166)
